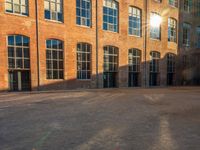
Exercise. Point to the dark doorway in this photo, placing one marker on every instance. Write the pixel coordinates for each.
(153, 79)
(170, 79)
(110, 79)
(19, 80)
(133, 79)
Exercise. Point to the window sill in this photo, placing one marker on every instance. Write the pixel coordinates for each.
(159, 40)
(134, 36)
(82, 26)
(54, 21)
(15, 14)
(110, 31)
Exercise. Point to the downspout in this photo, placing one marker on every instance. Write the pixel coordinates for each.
(37, 44)
(97, 47)
(145, 42)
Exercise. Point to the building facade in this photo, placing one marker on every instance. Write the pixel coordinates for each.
(189, 43)
(67, 44)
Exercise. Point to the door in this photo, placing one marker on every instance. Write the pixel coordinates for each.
(110, 79)
(19, 80)
(153, 79)
(170, 79)
(133, 79)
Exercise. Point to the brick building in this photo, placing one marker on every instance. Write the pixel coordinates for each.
(65, 44)
(189, 43)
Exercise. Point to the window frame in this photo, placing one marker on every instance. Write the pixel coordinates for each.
(107, 15)
(26, 6)
(58, 60)
(140, 21)
(88, 51)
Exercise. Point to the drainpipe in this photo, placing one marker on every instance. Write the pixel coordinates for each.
(145, 41)
(37, 44)
(97, 47)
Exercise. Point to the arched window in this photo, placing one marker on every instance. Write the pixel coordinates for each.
(83, 12)
(53, 10)
(171, 61)
(17, 7)
(154, 68)
(18, 52)
(171, 67)
(110, 59)
(154, 62)
(110, 66)
(110, 15)
(186, 34)
(54, 59)
(172, 30)
(135, 21)
(84, 61)
(134, 58)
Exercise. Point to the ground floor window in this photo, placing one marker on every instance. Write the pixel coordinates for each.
(84, 61)
(54, 59)
(110, 74)
(171, 62)
(19, 63)
(134, 59)
(154, 68)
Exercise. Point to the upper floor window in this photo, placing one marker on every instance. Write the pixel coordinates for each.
(53, 10)
(54, 59)
(17, 7)
(155, 25)
(187, 5)
(83, 61)
(110, 15)
(186, 34)
(18, 52)
(198, 37)
(173, 3)
(172, 29)
(198, 8)
(134, 21)
(83, 12)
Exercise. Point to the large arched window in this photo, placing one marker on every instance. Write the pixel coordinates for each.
(154, 62)
(155, 26)
(17, 7)
(84, 61)
(171, 67)
(110, 59)
(110, 15)
(154, 68)
(54, 59)
(83, 12)
(134, 59)
(110, 66)
(18, 52)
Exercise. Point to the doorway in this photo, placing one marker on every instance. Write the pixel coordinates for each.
(19, 80)
(110, 79)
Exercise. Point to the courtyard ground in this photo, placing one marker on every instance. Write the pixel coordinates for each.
(112, 119)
